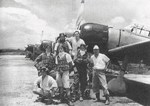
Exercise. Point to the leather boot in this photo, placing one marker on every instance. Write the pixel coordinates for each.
(97, 97)
(107, 102)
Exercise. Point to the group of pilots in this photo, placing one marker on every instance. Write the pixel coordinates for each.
(69, 54)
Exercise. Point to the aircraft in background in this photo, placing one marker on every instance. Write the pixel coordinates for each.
(32, 51)
(131, 44)
(118, 44)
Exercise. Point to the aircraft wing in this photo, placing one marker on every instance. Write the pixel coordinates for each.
(130, 48)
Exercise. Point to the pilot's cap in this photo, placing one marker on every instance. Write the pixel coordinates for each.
(95, 47)
(77, 31)
(44, 69)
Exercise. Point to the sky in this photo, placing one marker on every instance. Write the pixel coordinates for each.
(22, 21)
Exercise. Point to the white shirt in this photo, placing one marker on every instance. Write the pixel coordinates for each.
(47, 83)
(75, 44)
(100, 61)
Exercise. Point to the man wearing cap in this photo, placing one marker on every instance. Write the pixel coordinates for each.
(63, 42)
(76, 41)
(45, 86)
(81, 64)
(99, 63)
(45, 59)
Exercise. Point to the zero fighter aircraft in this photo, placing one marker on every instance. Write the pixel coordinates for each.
(119, 44)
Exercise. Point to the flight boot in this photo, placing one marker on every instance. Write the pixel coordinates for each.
(97, 97)
(107, 102)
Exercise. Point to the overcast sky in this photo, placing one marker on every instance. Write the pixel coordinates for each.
(22, 21)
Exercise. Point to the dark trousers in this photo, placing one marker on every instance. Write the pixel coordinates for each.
(82, 77)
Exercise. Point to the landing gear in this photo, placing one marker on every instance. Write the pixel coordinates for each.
(125, 64)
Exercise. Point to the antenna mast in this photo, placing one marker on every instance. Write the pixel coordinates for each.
(42, 35)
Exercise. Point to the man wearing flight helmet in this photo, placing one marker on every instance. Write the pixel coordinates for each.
(45, 59)
(81, 64)
(62, 41)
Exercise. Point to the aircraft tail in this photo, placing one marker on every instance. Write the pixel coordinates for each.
(80, 19)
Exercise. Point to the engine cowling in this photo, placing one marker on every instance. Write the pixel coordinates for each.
(95, 34)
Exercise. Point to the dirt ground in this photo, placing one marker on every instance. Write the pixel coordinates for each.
(17, 75)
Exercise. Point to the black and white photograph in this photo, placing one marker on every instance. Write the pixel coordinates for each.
(74, 53)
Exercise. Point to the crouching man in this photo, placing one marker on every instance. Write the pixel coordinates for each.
(99, 62)
(45, 87)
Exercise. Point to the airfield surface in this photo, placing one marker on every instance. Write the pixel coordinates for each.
(17, 75)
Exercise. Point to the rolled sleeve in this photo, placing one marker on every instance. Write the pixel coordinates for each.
(56, 46)
(82, 41)
(69, 46)
(56, 60)
(52, 83)
(105, 58)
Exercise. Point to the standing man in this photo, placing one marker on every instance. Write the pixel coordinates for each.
(99, 62)
(81, 64)
(45, 86)
(62, 41)
(64, 63)
(76, 42)
(45, 59)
